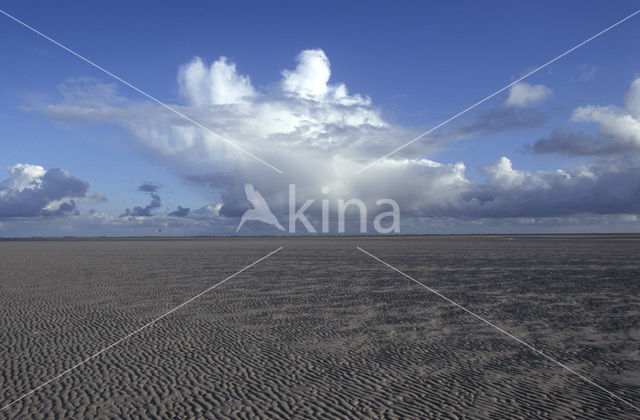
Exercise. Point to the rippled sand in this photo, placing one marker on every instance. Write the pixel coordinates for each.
(320, 329)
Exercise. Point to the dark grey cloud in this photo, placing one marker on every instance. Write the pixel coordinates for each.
(567, 142)
(149, 188)
(30, 191)
(595, 188)
(65, 208)
(490, 121)
(618, 130)
(144, 211)
(180, 212)
(214, 180)
(231, 189)
(599, 187)
(496, 120)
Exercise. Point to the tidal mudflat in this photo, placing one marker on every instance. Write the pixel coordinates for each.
(320, 329)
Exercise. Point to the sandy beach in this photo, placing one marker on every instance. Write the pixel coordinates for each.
(321, 329)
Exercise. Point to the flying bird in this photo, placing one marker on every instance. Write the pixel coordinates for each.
(260, 210)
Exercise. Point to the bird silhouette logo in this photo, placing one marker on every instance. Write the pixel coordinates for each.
(260, 210)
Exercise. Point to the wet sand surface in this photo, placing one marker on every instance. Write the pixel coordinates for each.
(320, 329)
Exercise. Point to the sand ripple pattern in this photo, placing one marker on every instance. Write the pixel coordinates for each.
(319, 330)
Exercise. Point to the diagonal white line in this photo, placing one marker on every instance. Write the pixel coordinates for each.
(498, 91)
(170, 108)
(502, 331)
(136, 331)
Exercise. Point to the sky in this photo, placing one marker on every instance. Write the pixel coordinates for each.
(318, 90)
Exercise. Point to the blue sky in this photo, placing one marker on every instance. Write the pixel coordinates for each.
(417, 62)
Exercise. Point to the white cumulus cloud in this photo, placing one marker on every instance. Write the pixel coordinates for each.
(32, 191)
(621, 125)
(310, 77)
(618, 130)
(217, 85)
(319, 134)
(523, 94)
